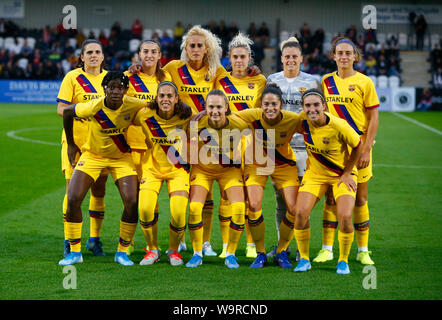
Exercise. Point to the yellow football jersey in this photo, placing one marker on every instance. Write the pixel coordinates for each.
(168, 139)
(214, 152)
(282, 133)
(192, 85)
(80, 86)
(349, 98)
(244, 93)
(328, 147)
(108, 128)
(144, 87)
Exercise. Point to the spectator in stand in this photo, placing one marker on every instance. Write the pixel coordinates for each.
(426, 101)
(178, 32)
(251, 30)
(370, 36)
(212, 27)
(166, 40)
(223, 32)
(437, 78)
(2, 27)
(351, 33)
(47, 36)
(421, 28)
(370, 66)
(434, 55)
(80, 38)
(360, 41)
(395, 68)
(263, 33)
(382, 65)
(91, 35)
(258, 51)
(137, 29)
(318, 39)
(102, 38)
(116, 28)
(233, 30)
(156, 37)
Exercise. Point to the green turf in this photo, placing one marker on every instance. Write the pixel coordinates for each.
(404, 199)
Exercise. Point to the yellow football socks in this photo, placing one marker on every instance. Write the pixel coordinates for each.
(329, 225)
(73, 234)
(225, 214)
(361, 221)
(96, 214)
(195, 225)
(178, 208)
(303, 241)
(285, 232)
(127, 231)
(236, 226)
(345, 241)
(148, 218)
(257, 229)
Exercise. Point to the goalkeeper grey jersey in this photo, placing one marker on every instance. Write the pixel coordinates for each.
(292, 89)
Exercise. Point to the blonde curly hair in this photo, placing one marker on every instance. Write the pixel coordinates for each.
(212, 59)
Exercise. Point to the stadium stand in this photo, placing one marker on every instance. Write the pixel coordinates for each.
(49, 53)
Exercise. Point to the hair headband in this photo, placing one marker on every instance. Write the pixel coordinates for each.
(346, 41)
(315, 93)
(170, 83)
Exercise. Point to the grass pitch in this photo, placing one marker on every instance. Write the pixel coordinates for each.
(405, 223)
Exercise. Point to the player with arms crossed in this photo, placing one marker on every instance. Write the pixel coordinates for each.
(352, 96)
(105, 149)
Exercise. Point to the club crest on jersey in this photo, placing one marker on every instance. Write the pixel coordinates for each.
(325, 140)
(246, 177)
(80, 163)
(302, 90)
(143, 181)
(192, 178)
(351, 87)
(251, 85)
(127, 117)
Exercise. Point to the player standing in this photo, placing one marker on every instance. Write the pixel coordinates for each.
(81, 85)
(352, 96)
(143, 85)
(216, 162)
(164, 122)
(333, 149)
(293, 83)
(267, 122)
(244, 92)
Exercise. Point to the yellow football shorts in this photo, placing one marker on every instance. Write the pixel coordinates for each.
(283, 176)
(226, 177)
(94, 165)
(318, 185)
(365, 174)
(176, 180)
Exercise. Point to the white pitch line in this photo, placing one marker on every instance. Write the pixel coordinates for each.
(13, 134)
(420, 124)
(405, 166)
